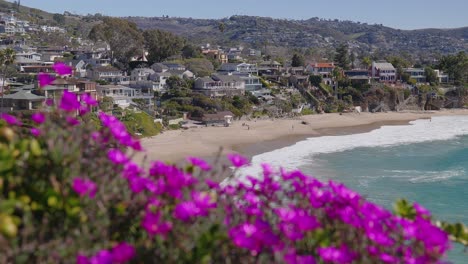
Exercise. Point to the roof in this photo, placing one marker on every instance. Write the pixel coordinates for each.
(217, 117)
(24, 95)
(226, 78)
(270, 63)
(323, 65)
(106, 69)
(383, 65)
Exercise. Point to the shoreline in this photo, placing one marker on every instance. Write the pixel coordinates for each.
(266, 135)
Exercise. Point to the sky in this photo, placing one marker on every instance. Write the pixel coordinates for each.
(402, 14)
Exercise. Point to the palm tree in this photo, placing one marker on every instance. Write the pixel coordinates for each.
(7, 57)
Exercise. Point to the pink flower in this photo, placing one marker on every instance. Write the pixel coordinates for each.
(72, 121)
(212, 184)
(102, 257)
(49, 102)
(35, 132)
(237, 160)
(80, 259)
(122, 253)
(69, 102)
(154, 226)
(117, 156)
(89, 100)
(84, 187)
(421, 211)
(186, 210)
(11, 120)
(45, 79)
(197, 162)
(62, 69)
(38, 117)
(336, 255)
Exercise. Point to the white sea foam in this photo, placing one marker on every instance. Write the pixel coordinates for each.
(292, 157)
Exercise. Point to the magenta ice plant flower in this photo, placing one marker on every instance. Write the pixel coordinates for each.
(200, 163)
(72, 121)
(237, 160)
(187, 210)
(89, 100)
(11, 120)
(35, 131)
(122, 253)
(336, 255)
(153, 224)
(45, 79)
(38, 117)
(117, 156)
(84, 187)
(69, 102)
(62, 69)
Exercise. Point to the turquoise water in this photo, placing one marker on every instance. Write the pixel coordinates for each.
(433, 173)
(426, 161)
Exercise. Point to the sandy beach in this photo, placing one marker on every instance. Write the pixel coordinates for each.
(260, 136)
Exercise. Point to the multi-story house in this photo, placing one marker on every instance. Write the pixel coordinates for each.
(220, 85)
(239, 67)
(383, 71)
(123, 96)
(106, 73)
(140, 74)
(417, 74)
(323, 69)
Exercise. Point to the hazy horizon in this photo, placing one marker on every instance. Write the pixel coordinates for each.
(406, 15)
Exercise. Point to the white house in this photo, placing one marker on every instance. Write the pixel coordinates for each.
(220, 85)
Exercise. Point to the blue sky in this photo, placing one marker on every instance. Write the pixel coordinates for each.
(403, 14)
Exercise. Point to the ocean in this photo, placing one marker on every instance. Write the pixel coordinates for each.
(426, 161)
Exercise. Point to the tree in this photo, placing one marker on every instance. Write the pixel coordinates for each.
(59, 18)
(342, 56)
(456, 66)
(191, 51)
(200, 67)
(297, 60)
(366, 61)
(162, 44)
(123, 37)
(315, 80)
(221, 27)
(431, 76)
(7, 57)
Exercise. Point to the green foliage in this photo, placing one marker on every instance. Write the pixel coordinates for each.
(342, 56)
(456, 66)
(431, 76)
(162, 44)
(123, 37)
(458, 231)
(200, 66)
(297, 60)
(315, 80)
(59, 18)
(140, 123)
(307, 111)
(191, 51)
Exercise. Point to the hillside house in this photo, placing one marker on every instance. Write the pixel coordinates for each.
(383, 71)
(220, 85)
(123, 96)
(106, 73)
(239, 67)
(323, 69)
(418, 74)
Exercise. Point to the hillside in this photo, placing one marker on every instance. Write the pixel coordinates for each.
(314, 32)
(76, 25)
